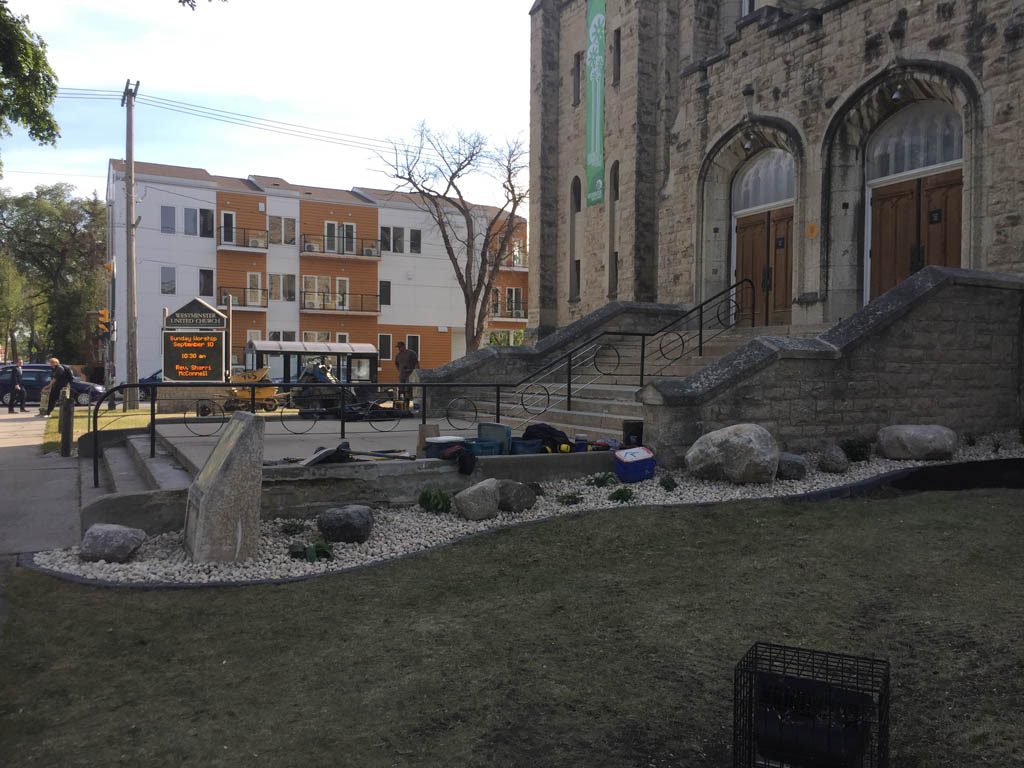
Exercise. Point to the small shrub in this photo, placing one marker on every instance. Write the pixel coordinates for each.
(293, 527)
(568, 499)
(322, 549)
(621, 495)
(668, 483)
(435, 500)
(970, 440)
(857, 448)
(603, 480)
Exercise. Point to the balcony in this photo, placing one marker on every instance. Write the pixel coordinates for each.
(242, 298)
(340, 245)
(325, 301)
(509, 310)
(242, 238)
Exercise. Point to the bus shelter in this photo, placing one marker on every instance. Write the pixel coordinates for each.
(350, 363)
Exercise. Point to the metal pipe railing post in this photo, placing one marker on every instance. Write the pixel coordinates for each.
(344, 395)
(643, 355)
(753, 307)
(568, 382)
(252, 398)
(96, 442)
(700, 331)
(497, 404)
(152, 423)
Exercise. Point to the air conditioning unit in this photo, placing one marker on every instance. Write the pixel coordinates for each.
(312, 248)
(254, 242)
(370, 251)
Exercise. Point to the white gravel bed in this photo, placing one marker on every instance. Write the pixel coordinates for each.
(403, 530)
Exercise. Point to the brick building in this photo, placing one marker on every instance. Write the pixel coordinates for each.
(822, 150)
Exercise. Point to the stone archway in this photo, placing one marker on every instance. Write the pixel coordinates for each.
(844, 187)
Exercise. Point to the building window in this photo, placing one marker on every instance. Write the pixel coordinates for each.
(316, 291)
(577, 78)
(281, 287)
(191, 221)
(384, 292)
(227, 225)
(412, 341)
(168, 280)
(341, 293)
(206, 282)
(746, 6)
(281, 336)
(414, 240)
(392, 239)
(281, 229)
(348, 238)
(167, 219)
(576, 206)
(341, 338)
(206, 222)
(384, 346)
(330, 236)
(385, 238)
(254, 289)
(253, 335)
(514, 302)
(616, 56)
(614, 181)
(316, 337)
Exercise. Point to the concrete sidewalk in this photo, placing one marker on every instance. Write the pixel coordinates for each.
(39, 493)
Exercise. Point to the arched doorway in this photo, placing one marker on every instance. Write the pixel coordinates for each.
(762, 210)
(913, 172)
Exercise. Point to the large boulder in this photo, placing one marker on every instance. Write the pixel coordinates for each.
(515, 497)
(792, 466)
(833, 460)
(922, 442)
(742, 453)
(113, 543)
(351, 524)
(480, 501)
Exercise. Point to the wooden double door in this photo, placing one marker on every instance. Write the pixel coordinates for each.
(914, 224)
(764, 255)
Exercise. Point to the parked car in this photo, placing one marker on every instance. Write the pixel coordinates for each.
(35, 377)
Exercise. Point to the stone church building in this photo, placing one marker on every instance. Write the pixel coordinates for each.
(823, 151)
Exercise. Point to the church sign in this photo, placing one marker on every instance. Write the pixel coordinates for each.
(193, 343)
(196, 314)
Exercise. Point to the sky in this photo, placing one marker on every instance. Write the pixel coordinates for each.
(374, 70)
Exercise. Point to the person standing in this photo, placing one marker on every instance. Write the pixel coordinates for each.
(60, 377)
(406, 362)
(17, 387)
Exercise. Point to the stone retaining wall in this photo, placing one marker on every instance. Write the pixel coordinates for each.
(945, 347)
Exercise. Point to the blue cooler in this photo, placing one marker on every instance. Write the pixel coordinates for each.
(498, 433)
(635, 464)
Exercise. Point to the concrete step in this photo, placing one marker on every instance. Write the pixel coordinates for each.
(124, 471)
(162, 471)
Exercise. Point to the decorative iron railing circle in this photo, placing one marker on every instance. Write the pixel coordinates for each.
(305, 416)
(597, 356)
(727, 312)
(383, 419)
(204, 411)
(679, 348)
(543, 393)
(464, 405)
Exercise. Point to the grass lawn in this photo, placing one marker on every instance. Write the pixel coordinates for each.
(604, 640)
(83, 423)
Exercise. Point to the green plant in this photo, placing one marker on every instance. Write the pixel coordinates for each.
(435, 500)
(293, 527)
(603, 480)
(621, 495)
(568, 499)
(321, 550)
(668, 483)
(857, 448)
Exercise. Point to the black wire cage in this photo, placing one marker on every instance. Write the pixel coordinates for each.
(799, 708)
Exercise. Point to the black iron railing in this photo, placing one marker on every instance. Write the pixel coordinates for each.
(327, 301)
(242, 237)
(340, 245)
(510, 309)
(242, 297)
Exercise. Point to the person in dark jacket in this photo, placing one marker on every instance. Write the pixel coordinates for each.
(60, 377)
(17, 387)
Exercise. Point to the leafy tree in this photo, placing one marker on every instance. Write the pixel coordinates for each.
(57, 243)
(27, 84)
(477, 238)
(12, 304)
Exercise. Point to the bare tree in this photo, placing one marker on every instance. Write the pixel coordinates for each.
(435, 169)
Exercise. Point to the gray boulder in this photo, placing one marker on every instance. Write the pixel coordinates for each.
(478, 502)
(921, 442)
(351, 524)
(113, 543)
(833, 460)
(742, 453)
(515, 497)
(792, 466)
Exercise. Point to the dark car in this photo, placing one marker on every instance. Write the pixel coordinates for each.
(35, 377)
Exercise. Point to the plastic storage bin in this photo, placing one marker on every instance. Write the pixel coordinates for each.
(497, 433)
(522, 445)
(438, 445)
(484, 447)
(635, 464)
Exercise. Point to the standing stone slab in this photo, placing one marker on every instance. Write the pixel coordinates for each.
(222, 518)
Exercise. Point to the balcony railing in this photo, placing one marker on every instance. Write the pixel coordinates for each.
(340, 245)
(243, 238)
(516, 260)
(326, 301)
(510, 309)
(242, 297)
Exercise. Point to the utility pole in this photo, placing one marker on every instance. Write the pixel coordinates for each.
(132, 355)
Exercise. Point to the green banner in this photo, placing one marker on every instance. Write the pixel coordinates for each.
(595, 101)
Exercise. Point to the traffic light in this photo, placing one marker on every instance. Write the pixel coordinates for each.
(103, 322)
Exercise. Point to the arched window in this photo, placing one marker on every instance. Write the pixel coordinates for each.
(768, 177)
(921, 135)
(577, 194)
(576, 203)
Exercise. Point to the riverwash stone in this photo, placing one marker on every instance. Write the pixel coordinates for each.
(514, 496)
(222, 517)
(352, 524)
(922, 442)
(833, 460)
(479, 502)
(742, 453)
(112, 543)
(792, 466)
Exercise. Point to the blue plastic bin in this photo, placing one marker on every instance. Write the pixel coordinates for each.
(484, 447)
(521, 446)
(497, 433)
(635, 464)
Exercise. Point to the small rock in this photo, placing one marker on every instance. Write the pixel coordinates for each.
(921, 442)
(297, 550)
(833, 460)
(112, 543)
(515, 497)
(478, 502)
(792, 466)
(352, 523)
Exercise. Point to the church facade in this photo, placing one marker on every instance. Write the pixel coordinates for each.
(814, 153)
